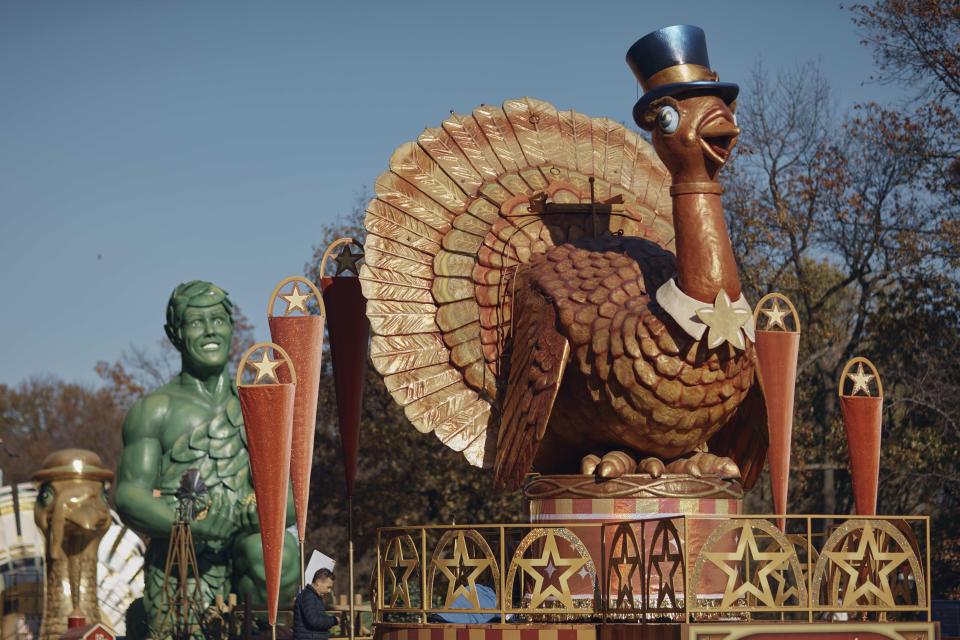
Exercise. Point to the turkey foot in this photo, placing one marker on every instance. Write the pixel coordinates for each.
(612, 465)
(703, 463)
(618, 463)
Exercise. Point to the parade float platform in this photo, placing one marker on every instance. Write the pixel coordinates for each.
(664, 631)
(679, 576)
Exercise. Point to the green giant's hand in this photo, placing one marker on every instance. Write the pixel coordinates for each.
(218, 521)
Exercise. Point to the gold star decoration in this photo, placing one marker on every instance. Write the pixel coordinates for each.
(785, 590)
(296, 300)
(775, 316)
(546, 568)
(624, 565)
(731, 562)
(266, 368)
(724, 322)
(347, 260)
(866, 573)
(460, 580)
(668, 553)
(394, 560)
(860, 380)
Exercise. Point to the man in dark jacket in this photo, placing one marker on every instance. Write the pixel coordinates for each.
(310, 618)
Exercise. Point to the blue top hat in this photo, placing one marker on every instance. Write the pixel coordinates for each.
(674, 60)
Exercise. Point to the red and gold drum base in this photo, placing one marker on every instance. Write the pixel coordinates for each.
(578, 498)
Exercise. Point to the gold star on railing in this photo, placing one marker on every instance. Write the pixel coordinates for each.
(347, 260)
(775, 316)
(731, 562)
(394, 561)
(667, 553)
(459, 580)
(785, 590)
(860, 380)
(266, 368)
(859, 565)
(625, 564)
(547, 566)
(724, 321)
(296, 300)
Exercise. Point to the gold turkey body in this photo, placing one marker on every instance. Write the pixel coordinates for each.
(634, 379)
(516, 337)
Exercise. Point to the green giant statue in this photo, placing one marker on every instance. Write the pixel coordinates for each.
(195, 421)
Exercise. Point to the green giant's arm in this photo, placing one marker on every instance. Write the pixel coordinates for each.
(139, 468)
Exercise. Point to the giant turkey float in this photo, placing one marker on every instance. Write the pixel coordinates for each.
(549, 294)
(558, 299)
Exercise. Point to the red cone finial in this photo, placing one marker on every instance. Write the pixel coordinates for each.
(349, 334)
(302, 337)
(268, 420)
(862, 418)
(778, 346)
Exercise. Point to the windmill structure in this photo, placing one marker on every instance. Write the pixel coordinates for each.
(181, 608)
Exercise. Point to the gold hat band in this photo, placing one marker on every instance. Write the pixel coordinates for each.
(679, 73)
(63, 473)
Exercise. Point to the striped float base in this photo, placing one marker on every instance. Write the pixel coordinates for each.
(674, 631)
(487, 632)
(577, 498)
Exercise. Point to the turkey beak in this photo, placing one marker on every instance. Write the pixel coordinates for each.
(718, 135)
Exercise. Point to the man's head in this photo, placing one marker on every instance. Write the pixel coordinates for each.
(322, 581)
(200, 324)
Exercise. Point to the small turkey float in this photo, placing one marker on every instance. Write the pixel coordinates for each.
(550, 293)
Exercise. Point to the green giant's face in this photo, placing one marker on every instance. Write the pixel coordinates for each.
(205, 335)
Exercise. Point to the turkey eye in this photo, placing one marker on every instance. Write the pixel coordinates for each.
(668, 119)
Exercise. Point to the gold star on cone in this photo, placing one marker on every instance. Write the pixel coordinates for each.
(347, 260)
(266, 368)
(775, 316)
(296, 300)
(860, 380)
(724, 322)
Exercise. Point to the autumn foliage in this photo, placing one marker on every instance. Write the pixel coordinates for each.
(40, 415)
(855, 216)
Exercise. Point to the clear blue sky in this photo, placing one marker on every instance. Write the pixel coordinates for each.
(147, 143)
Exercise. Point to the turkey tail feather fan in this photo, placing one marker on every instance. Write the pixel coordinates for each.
(450, 223)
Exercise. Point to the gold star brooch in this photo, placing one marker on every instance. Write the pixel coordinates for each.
(724, 322)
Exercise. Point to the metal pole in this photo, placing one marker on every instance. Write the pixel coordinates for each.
(303, 568)
(182, 587)
(350, 561)
(593, 211)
